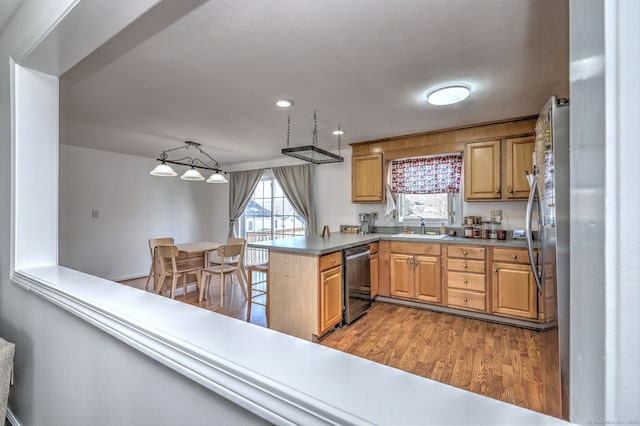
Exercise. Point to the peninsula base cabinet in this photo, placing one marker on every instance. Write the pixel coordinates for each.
(300, 306)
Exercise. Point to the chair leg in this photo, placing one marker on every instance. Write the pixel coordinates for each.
(249, 288)
(221, 290)
(242, 282)
(160, 284)
(146, 286)
(204, 285)
(174, 282)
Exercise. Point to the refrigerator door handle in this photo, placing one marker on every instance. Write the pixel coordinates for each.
(529, 233)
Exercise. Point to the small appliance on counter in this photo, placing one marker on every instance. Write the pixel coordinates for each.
(366, 222)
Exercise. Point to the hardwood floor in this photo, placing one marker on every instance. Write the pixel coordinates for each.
(511, 364)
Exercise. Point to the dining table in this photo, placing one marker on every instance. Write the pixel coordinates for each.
(191, 254)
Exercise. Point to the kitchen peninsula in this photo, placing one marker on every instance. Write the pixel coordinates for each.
(484, 279)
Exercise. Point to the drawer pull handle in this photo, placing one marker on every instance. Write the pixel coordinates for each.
(464, 252)
(466, 300)
(465, 266)
(465, 281)
(514, 256)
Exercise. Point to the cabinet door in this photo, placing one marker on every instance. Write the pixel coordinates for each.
(402, 275)
(482, 170)
(427, 279)
(367, 183)
(519, 160)
(330, 298)
(514, 291)
(374, 275)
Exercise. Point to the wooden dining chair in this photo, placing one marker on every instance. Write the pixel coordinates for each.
(230, 263)
(153, 243)
(258, 288)
(214, 260)
(168, 267)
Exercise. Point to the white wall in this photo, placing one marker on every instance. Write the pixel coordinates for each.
(133, 207)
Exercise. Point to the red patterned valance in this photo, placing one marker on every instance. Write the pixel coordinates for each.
(427, 175)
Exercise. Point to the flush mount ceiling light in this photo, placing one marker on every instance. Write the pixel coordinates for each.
(338, 132)
(284, 103)
(311, 153)
(194, 163)
(449, 94)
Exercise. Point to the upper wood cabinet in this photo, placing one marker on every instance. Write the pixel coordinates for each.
(367, 179)
(482, 170)
(519, 161)
(495, 169)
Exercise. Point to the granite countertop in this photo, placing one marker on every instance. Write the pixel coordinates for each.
(316, 245)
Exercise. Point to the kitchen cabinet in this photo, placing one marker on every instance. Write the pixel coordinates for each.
(482, 170)
(330, 291)
(486, 179)
(514, 288)
(367, 179)
(518, 161)
(466, 279)
(415, 271)
(373, 250)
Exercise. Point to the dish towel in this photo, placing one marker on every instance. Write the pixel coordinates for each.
(390, 206)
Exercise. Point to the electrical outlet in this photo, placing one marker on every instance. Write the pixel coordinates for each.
(95, 214)
(496, 216)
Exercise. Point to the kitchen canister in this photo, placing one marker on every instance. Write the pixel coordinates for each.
(467, 231)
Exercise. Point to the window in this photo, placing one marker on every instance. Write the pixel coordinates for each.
(269, 216)
(427, 188)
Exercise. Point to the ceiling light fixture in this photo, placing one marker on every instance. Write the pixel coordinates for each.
(284, 103)
(192, 174)
(311, 153)
(338, 132)
(448, 94)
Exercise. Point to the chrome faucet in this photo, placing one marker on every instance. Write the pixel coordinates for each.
(422, 225)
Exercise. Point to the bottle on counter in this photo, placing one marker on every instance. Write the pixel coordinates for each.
(485, 230)
(443, 230)
(493, 230)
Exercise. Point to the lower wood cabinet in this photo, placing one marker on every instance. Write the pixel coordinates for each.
(329, 291)
(330, 298)
(375, 273)
(515, 293)
(416, 277)
(466, 281)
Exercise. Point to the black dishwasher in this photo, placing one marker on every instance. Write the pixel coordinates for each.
(357, 282)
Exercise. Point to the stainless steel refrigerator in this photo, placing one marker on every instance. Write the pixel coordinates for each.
(549, 198)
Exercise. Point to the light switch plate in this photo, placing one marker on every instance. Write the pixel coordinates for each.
(496, 216)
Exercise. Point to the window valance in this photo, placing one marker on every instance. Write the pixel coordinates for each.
(437, 174)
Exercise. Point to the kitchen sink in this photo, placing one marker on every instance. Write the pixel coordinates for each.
(421, 236)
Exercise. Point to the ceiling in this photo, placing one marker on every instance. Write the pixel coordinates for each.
(7, 9)
(213, 74)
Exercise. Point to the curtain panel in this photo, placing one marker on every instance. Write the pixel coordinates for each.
(297, 185)
(241, 187)
(439, 174)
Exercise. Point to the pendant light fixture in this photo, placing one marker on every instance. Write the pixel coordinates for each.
(194, 163)
(311, 153)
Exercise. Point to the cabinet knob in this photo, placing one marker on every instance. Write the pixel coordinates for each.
(498, 191)
(464, 252)
(510, 190)
(325, 281)
(466, 300)
(465, 281)
(495, 269)
(514, 256)
(464, 266)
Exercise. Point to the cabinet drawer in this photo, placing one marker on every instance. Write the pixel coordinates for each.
(330, 260)
(510, 255)
(373, 248)
(415, 248)
(465, 281)
(466, 299)
(465, 265)
(466, 252)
